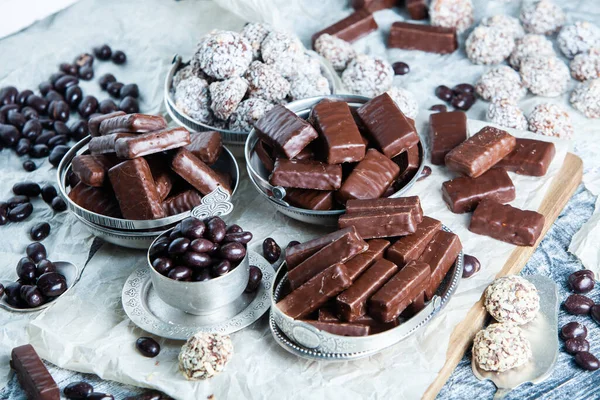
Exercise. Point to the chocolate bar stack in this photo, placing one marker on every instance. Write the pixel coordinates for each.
(139, 169)
(337, 155)
(385, 262)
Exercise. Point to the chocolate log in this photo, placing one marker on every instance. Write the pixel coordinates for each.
(417, 9)
(207, 146)
(92, 169)
(182, 202)
(446, 131)
(351, 28)
(132, 123)
(94, 122)
(360, 262)
(162, 175)
(35, 380)
(409, 162)
(300, 252)
(432, 39)
(310, 199)
(341, 328)
(376, 326)
(415, 307)
(440, 254)
(373, 5)
(410, 248)
(411, 203)
(530, 157)
(196, 173)
(306, 174)
(264, 153)
(106, 144)
(99, 200)
(151, 143)
(376, 224)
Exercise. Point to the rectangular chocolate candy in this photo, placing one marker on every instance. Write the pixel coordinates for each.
(264, 153)
(415, 307)
(410, 248)
(360, 262)
(393, 298)
(196, 173)
(306, 174)
(463, 194)
(206, 146)
(446, 131)
(480, 152)
(351, 28)
(373, 5)
(106, 144)
(376, 326)
(440, 254)
(315, 292)
(530, 157)
(310, 199)
(432, 39)
(352, 302)
(341, 328)
(286, 132)
(409, 162)
(387, 125)
(163, 178)
(411, 203)
(297, 254)
(338, 132)
(182, 202)
(507, 223)
(152, 142)
(417, 9)
(375, 224)
(370, 178)
(92, 169)
(326, 315)
(94, 122)
(99, 200)
(35, 380)
(135, 190)
(132, 123)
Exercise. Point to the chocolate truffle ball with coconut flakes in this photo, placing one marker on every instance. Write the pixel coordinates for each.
(543, 17)
(255, 33)
(226, 95)
(586, 66)
(191, 97)
(507, 113)
(265, 82)
(551, 120)
(283, 51)
(308, 85)
(501, 347)
(335, 50)
(507, 24)
(512, 299)
(204, 355)
(545, 76)
(405, 100)
(586, 98)
(500, 82)
(182, 74)
(224, 55)
(530, 45)
(451, 14)
(489, 45)
(248, 112)
(368, 76)
(578, 38)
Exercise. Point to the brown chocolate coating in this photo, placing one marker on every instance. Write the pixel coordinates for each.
(351, 28)
(92, 169)
(207, 146)
(440, 254)
(409, 162)
(151, 143)
(326, 315)
(310, 199)
(417, 9)
(380, 224)
(106, 144)
(94, 122)
(163, 177)
(264, 153)
(410, 248)
(446, 131)
(196, 173)
(432, 39)
(341, 328)
(307, 174)
(530, 157)
(35, 380)
(360, 262)
(132, 123)
(99, 200)
(297, 254)
(373, 5)
(417, 305)
(411, 203)
(376, 326)
(182, 202)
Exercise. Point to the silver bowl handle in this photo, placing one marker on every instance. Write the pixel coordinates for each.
(216, 203)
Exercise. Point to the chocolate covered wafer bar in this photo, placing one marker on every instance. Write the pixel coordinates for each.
(440, 254)
(300, 252)
(377, 224)
(360, 262)
(411, 203)
(35, 380)
(326, 315)
(264, 153)
(92, 169)
(307, 174)
(432, 39)
(530, 157)
(373, 5)
(409, 162)
(446, 131)
(151, 143)
(351, 28)
(196, 173)
(341, 328)
(99, 200)
(106, 144)
(94, 122)
(132, 123)
(182, 202)
(415, 306)
(162, 175)
(417, 9)
(410, 248)
(310, 199)
(207, 146)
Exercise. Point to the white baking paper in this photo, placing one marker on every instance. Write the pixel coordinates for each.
(586, 242)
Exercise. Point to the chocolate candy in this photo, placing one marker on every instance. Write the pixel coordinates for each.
(463, 194)
(417, 9)
(52, 284)
(573, 330)
(310, 199)
(380, 224)
(411, 203)
(254, 279)
(44, 267)
(92, 169)
(271, 250)
(20, 212)
(507, 223)
(39, 151)
(58, 204)
(216, 230)
(26, 269)
(530, 157)
(32, 129)
(576, 345)
(582, 281)
(370, 178)
(373, 5)
(118, 57)
(444, 93)
(417, 304)
(130, 90)
(27, 188)
(578, 304)
(29, 166)
(587, 361)
(471, 266)
(32, 296)
(233, 251)
(360, 262)
(33, 375)
(595, 313)
(56, 155)
(129, 105)
(106, 80)
(150, 143)
(147, 346)
(432, 39)
(107, 143)
(207, 146)
(9, 135)
(182, 202)
(97, 200)
(103, 52)
(8, 95)
(94, 122)
(39, 231)
(179, 246)
(162, 176)
(88, 106)
(351, 28)
(306, 174)
(197, 173)
(400, 68)
(480, 152)
(440, 254)
(446, 131)
(114, 89)
(264, 153)
(463, 101)
(78, 390)
(295, 255)
(100, 396)
(341, 328)
(440, 108)
(132, 123)
(410, 248)
(107, 106)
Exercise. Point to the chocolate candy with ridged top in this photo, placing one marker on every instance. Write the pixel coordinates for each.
(151, 143)
(132, 123)
(182, 202)
(306, 174)
(94, 122)
(197, 173)
(207, 146)
(33, 374)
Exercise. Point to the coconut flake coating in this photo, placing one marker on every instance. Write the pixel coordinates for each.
(501, 347)
(586, 98)
(500, 82)
(204, 355)
(545, 76)
(586, 66)
(509, 25)
(255, 33)
(224, 55)
(335, 50)
(543, 17)
(282, 50)
(507, 113)
(248, 112)
(405, 100)
(226, 95)
(191, 97)
(530, 45)
(578, 38)
(308, 85)
(182, 74)
(489, 45)
(551, 120)
(512, 299)
(451, 14)
(265, 82)
(368, 76)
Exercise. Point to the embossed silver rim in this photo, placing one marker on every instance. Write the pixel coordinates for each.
(134, 294)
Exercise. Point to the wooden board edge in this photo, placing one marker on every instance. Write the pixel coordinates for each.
(562, 189)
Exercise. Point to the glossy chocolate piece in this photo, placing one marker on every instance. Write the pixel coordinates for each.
(264, 153)
(380, 224)
(94, 122)
(151, 143)
(432, 39)
(351, 28)
(310, 199)
(373, 5)
(415, 306)
(314, 293)
(410, 248)
(417, 9)
(283, 130)
(507, 223)
(306, 174)
(411, 203)
(376, 326)
(135, 190)
(325, 314)
(440, 254)
(463, 194)
(409, 162)
(182, 202)
(132, 123)
(341, 328)
(207, 146)
(387, 125)
(197, 173)
(480, 152)
(360, 262)
(95, 199)
(352, 302)
(338, 132)
(530, 157)
(297, 254)
(36, 381)
(92, 169)
(106, 144)
(446, 131)
(163, 177)
(370, 178)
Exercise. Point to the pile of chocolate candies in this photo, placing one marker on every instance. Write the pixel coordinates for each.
(83, 390)
(462, 97)
(19, 207)
(35, 125)
(574, 333)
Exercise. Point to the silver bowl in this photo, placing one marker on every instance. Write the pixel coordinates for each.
(275, 194)
(316, 344)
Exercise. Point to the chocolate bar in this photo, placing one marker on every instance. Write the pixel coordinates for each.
(132, 123)
(326, 315)
(306, 174)
(151, 143)
(182, 202)
(415, 306)
(410, 248)
(507, 223)
(99, 200)
(353, 27)
(530, 157)
(196, 173)
(446, 131)
(417, 9)
(264, 151)
(35, 380)
(376, 224)
(206, 146)
(306, 154)
(315, 292)
(94, 122)
(92, 169)
(310, 199)
(411, 203)
(106, 144)
(432, 39)
(387, 125)
(373, 5)
(338, 132)
(286, 132)
(300, 252)
(376, 326)
(440, 254)
(161, 174)
(360, 262)
(370, 178)
(480, 152)
(352, 302)
(337, 252)
(409, 162)
(135, 190)
(463, 194)
(393, 298)
(341, 328)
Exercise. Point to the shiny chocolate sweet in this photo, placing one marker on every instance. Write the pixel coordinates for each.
(295, 255)
(92, 170)
(446, 131)
(411, 203)
(99, 200)
(151, 143)
(530, 157)
(440, 254)
(207, 146)
(310, 199)
(360, 262)
(94, 122)
(409, 162)
(181, 202)
(341, 328)
(306, 174)
(432, 39)
(132, 123)
(351, 28)
(373, 5)
(410, 248)
(380, 224)
(162, 175)
(36, 381)
(265, 155)
(197, 173)
(106, 144)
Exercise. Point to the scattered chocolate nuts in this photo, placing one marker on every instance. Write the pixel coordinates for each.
(44, 88)
(59, 111)
(61, 128)
(52, 284)
(573, 330)
(8, 95)
(424, 173)
(254, 279)
(26, 269)
(103, 52)
(86, 73)
(587, 361)
(20, 212)
(45, 137)
(73, 96)
(9, 135)
(201, 245)
(179, 246)
(443, 93)
(464, 88)
(595, 313)
(14, 201)
(240, 237)
(216, 230)
(400, 68)
(220, 269)
(23, 147)
(129, 105)
(13, 295)
(271, 250)
(439, 108)
(27, 188)
(30, 113)
(84, 59)
(49, 193)
(100, 396)
(180, 273)
(58, 140)
(58, 204)
(78, 390)
(88, 106)
(162, 265)
(39, 231)
(79, 130)
(114, 89)
(32, 129)
(107, 106)
(471, 266)
(578, 304)
(1, 290)
(69, 69)
(57, 154)
(44, 266)
(130, 89)
(16, 119)
(196, 260)
(39, 151)
(118, 57)
(105, 80)
(64, 82)
(576, 345)
(29, 166)
(53, 95)
(233, 251)
(582, 281)
(32, 295)
(463, 101)
(36, 251)
(192, 228)
(21, 98)
(148, 347)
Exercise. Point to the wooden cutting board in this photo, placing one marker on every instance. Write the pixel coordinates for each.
(563, 187)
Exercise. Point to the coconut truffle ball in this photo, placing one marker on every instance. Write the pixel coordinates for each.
(578, 38)
(309, 65)
(405, 100)
(224, 55)
(545, 76)
(489, 45)
(551, 120)
(506, 112)
(335, 50)
(451, 14)
(283, 51)
(255, 33)
(265, 82)
(512, 299)
(248, 112)
(308, 85)
(368, 76)
(226, 95)
(586, 66)
(500, 82)
(586, 98)
(191, 97)
(543, 17)
(509, 25)
(204, 355)
(501, 347)
(182, 74)
(530, 45)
